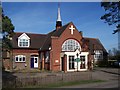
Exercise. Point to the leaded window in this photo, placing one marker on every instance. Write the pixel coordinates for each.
(82, 59)
(71, 62)
(70, 45)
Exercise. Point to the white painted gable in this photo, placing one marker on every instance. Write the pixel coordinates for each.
(23, 36)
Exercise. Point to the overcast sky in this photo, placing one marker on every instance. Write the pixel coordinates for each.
(41, 17)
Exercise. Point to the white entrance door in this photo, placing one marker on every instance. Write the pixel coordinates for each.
(35, 62)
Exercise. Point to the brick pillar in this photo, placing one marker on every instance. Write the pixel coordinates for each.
(43, 61)
(91, 57)
(65, 63)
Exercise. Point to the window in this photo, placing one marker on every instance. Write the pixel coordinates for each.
(20, 58)
(98, 54)
(36, 60)
(47, 56)
(23, 43)
(82, 59)
(71, 62)
(70, 45)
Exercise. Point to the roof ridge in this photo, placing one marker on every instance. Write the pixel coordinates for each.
(64, 25)
(31, 33)
(53, 33)
(90, 38)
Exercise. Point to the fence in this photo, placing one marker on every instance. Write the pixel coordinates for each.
(44, 80)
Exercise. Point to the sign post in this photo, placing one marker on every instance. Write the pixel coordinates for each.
(77, 60)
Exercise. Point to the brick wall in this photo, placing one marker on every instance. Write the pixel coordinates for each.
(57, 42)
(27, 53)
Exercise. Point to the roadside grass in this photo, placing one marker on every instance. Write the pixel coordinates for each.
(57, 85)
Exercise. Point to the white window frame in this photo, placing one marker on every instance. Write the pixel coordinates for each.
(98, 54)
(20, 56)
(71, 62)
(23, 41)
(70, 45)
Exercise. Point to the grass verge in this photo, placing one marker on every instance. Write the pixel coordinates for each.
(55, 85)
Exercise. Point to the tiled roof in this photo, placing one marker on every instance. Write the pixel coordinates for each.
(95, 44)
(43, 41)
(39, 41)
(57, 33)
(36, 40)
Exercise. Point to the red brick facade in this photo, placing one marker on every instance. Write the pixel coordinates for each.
(49, 51)
(57, 45)
(26, 52)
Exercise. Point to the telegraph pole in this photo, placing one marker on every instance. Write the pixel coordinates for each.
(118, 39)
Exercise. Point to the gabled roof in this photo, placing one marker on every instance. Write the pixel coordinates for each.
(43, 41)
(24, 35)
(95, 44)
(56, 33)
(36, 40)
(39, 41)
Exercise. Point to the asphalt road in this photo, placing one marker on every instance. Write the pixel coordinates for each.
(111, 80)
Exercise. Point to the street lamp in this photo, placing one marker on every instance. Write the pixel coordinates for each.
(77, 61)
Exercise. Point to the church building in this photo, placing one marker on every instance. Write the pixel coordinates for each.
(63, 49)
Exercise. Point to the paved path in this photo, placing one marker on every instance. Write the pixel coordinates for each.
(109, 75)
(109, 70)
(113, 84)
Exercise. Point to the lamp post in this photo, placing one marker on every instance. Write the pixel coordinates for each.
(77, 61)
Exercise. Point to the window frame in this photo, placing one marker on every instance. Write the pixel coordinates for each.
(47, 56)
(70, 45)
(20, 58)
(23, 42)
(71, 62)
(98, 54)
(83, 62)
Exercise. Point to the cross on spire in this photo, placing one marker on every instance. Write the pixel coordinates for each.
(72, 29)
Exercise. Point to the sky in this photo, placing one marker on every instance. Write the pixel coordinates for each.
(40, 17)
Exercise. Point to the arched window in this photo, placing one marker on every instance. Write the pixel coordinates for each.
(70, 45)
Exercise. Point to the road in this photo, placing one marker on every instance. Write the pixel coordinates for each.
(111, 79)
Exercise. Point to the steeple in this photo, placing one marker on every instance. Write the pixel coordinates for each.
(59, 21)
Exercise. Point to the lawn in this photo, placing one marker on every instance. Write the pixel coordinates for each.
(57, 85)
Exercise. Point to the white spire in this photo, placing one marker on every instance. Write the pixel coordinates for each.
(59, 17)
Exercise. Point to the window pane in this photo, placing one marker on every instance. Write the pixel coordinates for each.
(70, 45)
(20, 59)
(23, 42)
(23, 58)
(16, 58)
(71, 62)
(35, 60)
(20, 43)
(82, 65)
